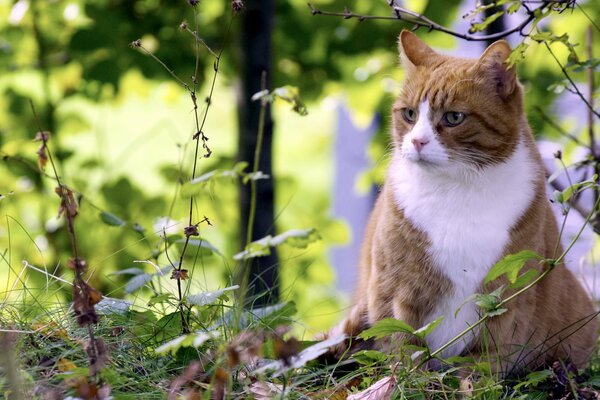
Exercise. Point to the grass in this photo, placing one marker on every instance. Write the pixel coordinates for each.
(149, 358)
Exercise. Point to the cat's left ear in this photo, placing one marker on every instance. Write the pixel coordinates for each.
(413, 51)
(493, 63)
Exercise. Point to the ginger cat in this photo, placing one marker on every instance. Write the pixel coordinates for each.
(465, 187)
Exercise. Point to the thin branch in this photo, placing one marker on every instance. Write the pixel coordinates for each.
(138, 44)
(421, 21)
(566, 74)
(594, 24)
(558, 128)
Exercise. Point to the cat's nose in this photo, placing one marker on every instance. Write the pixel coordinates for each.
(419, 143)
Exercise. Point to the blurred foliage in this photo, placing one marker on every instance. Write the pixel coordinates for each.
(121, 130)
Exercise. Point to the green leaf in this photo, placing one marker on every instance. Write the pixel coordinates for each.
(197, 185)
(202, 299)
(427, 329)
(577, 188)
(299, 238)
(129, 271)
(511, 265)
(487, 302)
(518, 54)
(263, 317)
(140, 280)
(496, 312)
(255, 249)
(513, 7)
(196, 339)
(524, 279)
(203, 243)
(255, 176)
(111, 219)
(310, 353)
(370, 357)
(534, 378)
(386, 327)
(161, 298)
(109, 305)
(478, 27)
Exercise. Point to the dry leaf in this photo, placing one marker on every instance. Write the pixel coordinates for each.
(219, 385)
(339, 392)
(181, 274)
(192, 372)
(51, 329)
(191, 230)
(64, 365)
(68, 205)
(466, 386)
(42, 156)
(42, 136)
(380, 390)
(84, 298)
(265, 390)
(97, 355)
(286, 349)
(245, 347)
(78, 263)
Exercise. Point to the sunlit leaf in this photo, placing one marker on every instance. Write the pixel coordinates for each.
(427, 329)
(191, 340)
(386, 327)
(161, 298)
(113, 306)
(300, 238)
(524, 279)
(310, 353)
(201, 243)
(511, 265)
(202, 299)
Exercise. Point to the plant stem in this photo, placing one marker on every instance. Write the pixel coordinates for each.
(252, 208)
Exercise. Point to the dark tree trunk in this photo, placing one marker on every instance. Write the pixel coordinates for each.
(496, 26)
(255, 58)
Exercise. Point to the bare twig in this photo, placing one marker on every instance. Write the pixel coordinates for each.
(575, 88)
(420, 21)
(84, 296)
(199, 136)
(590, 122)
(558, 128)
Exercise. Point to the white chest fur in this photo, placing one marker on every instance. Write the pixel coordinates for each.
(468, 222)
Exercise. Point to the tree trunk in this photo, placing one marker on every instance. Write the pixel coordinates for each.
(496, 26)
(255, 58)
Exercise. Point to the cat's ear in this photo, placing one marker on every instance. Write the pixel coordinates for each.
(493, 64)
(413, 51)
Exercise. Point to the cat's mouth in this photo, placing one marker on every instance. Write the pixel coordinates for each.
(424, 159)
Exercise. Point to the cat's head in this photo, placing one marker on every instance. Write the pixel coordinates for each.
(454, 112)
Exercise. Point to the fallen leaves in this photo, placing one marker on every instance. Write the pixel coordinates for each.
(380, 390)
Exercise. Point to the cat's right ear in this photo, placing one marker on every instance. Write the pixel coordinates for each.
(413, 51)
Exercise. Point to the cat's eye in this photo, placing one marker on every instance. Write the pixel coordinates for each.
(453, 118)
(409, 114)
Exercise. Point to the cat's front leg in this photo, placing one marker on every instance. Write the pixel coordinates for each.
(350, 327)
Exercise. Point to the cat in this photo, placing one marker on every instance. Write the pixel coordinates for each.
(466, 187)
